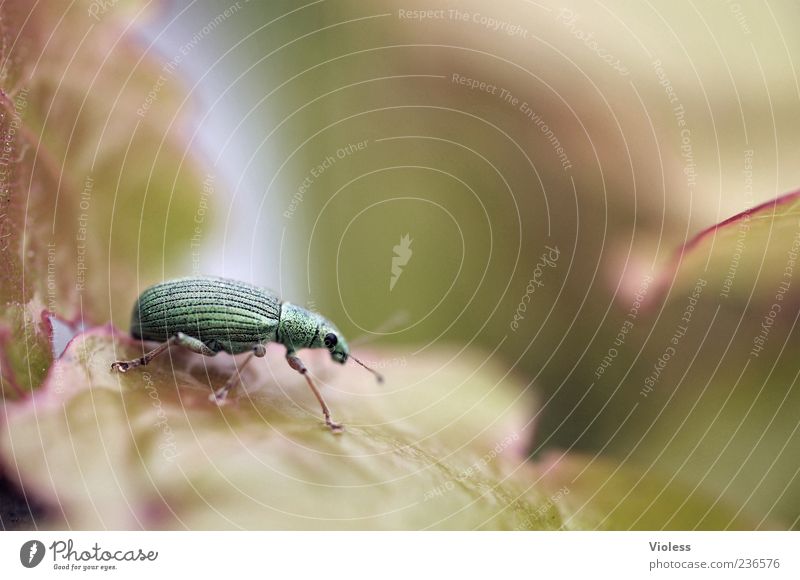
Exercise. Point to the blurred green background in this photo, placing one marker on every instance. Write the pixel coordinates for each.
(670, 119)
(471, 176)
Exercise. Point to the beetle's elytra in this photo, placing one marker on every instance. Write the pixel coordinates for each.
(208, 315)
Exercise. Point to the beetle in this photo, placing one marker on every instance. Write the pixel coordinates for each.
(209, 315)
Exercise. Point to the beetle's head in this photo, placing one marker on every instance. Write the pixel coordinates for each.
(333, 340)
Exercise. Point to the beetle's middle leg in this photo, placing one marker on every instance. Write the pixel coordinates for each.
(219, 395)
(295, 362)
(191, 343)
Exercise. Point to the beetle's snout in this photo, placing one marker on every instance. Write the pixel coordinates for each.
(339, 357)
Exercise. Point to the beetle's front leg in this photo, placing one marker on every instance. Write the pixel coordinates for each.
(297, 364)
(220, 394)
(191, 343)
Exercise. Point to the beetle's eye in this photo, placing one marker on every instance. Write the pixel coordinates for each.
(330, 340)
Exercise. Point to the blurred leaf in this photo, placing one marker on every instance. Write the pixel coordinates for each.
(752, 254)
(93, 167)
(602, 495)
(148, 449)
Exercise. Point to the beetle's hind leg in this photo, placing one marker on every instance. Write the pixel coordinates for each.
(194, 344)
(191, 343)
(126, 365)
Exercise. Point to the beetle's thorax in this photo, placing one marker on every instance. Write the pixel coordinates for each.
(298, 327)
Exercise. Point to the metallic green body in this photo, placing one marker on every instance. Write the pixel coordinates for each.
(230, 316)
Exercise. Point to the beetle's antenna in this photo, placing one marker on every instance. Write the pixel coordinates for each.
(374, 372)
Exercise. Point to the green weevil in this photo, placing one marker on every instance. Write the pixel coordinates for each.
(208, 315)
